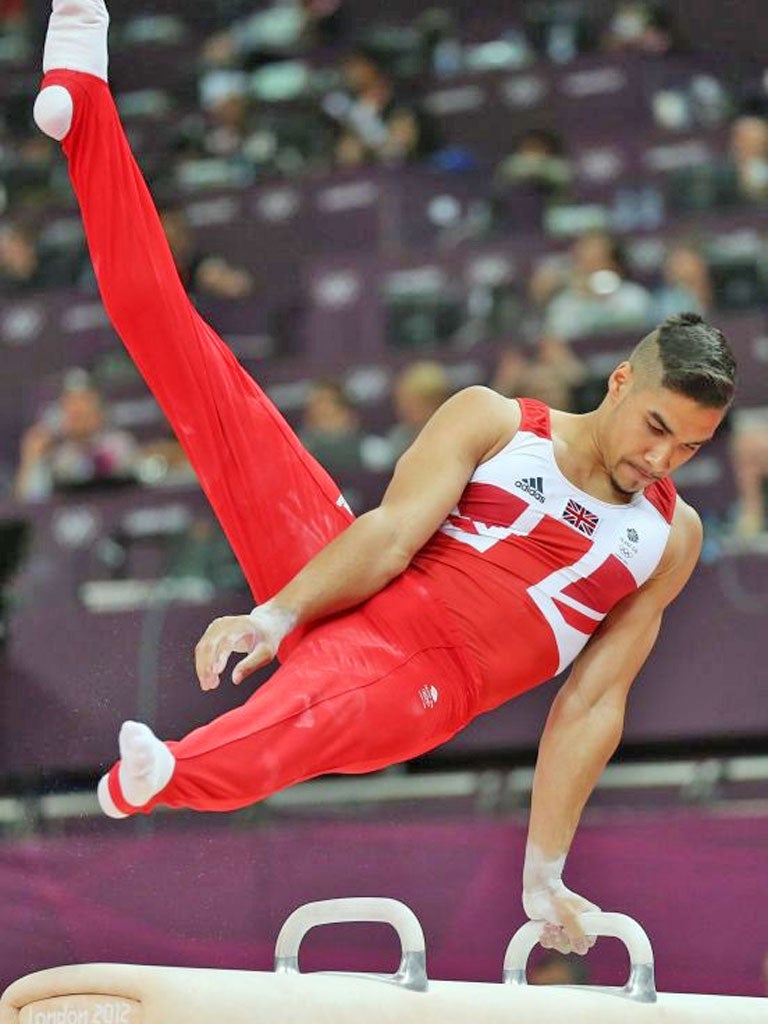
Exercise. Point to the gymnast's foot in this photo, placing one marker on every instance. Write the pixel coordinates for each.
(77, 41)
(146, 767)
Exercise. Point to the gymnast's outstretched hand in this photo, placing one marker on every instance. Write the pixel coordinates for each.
(257, 635)
(560, 909)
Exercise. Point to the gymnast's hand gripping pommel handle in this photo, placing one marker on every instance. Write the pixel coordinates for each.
(641, 986)
(412, 972)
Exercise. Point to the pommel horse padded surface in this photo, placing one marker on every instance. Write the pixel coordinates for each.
(132, 994)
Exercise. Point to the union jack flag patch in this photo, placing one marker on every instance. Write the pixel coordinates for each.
(581, 518)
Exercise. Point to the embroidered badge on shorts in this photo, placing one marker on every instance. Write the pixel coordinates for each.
(428, 696)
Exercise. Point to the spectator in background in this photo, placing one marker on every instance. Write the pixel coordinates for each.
(330, 429)
(734, 179)
(551, 374)
(71, 445)
(203, 552)
(6, 480)
(375, 124)
(556, 969)
(687, 283)
(11, 12)
(13, 17)
(22, 269)
(323, 22)
(749, 157)
(749, 455)
(440, 41)
(28, 173)
(19, 263)
(27, 180)
(537, 159)
(203, 273)
(419, 390)
(591, 293)
(226, 109)
(275, 32)
(641, 27)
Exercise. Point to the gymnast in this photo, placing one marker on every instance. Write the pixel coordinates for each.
(513, 539)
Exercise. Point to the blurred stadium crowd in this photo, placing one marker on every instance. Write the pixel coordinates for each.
(375, 209)
(521, 195)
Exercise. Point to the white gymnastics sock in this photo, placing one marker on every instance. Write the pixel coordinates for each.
(146, 767)
(77, 37)
(76, 40)
(106, 803)
(53, 111)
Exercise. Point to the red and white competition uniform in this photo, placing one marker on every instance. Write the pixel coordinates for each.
(505, 594)
(530, 565)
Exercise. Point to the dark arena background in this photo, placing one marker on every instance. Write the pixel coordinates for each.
(545, 181)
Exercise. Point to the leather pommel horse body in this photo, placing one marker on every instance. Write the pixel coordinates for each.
(133, 994)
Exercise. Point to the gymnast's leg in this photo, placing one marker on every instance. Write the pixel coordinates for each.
(351, 698)
(259, 479)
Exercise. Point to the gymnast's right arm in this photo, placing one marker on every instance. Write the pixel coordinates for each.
(427, 484)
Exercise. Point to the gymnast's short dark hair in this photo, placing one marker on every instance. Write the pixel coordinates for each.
(695, 357)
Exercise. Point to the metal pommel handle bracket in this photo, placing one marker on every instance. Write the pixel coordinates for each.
(412, 972)
(641, 986)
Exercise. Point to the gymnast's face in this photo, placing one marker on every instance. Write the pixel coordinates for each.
(649, 431)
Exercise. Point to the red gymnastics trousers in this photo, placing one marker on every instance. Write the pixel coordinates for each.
(384, 682)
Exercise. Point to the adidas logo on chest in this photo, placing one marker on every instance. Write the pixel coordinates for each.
(533, 485)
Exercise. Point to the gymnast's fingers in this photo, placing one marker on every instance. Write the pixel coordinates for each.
(204, 665)
(554, 937)
(221, 652)
(260, 655)
(207, 652)
(549, 935)
(563, 944)
(577, 938)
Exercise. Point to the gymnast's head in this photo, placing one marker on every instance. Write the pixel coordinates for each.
(665, 402)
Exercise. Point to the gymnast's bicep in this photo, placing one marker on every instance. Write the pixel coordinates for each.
(431, 475)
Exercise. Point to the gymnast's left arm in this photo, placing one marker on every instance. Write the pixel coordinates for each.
(584, 728)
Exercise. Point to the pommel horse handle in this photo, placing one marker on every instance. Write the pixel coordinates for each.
(641, 985)
(412, 972)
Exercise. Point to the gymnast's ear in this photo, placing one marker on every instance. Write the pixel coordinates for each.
(621, 380)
